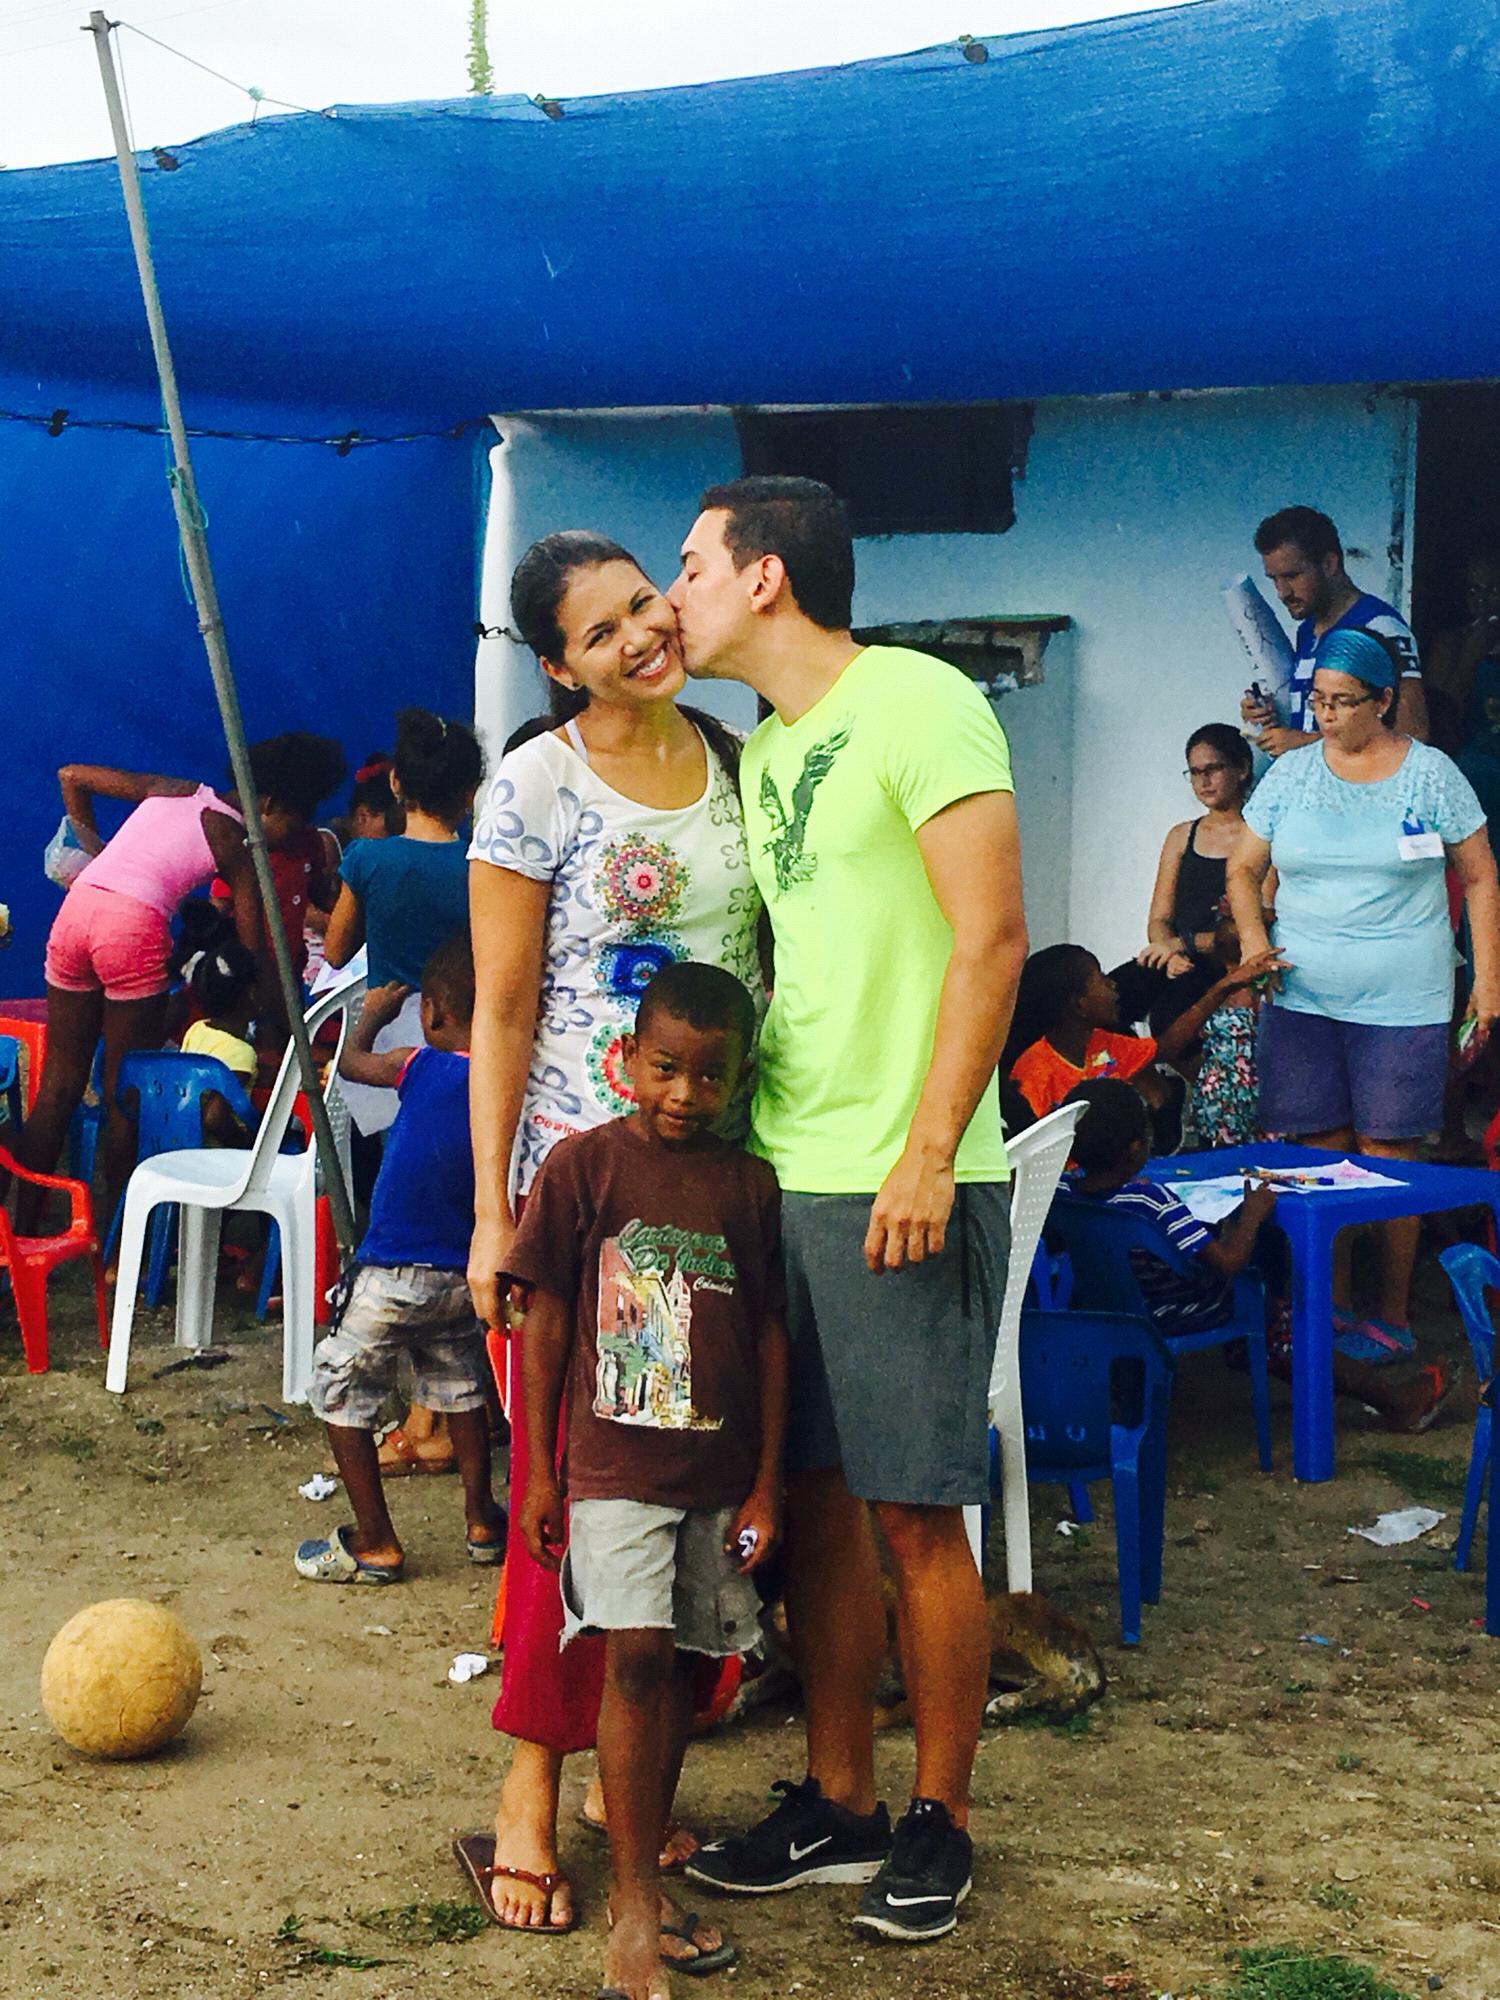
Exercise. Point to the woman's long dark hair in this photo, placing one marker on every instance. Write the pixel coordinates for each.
(537, 590)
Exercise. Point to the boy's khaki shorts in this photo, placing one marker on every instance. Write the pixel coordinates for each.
(411, 1309)
(631, 1567)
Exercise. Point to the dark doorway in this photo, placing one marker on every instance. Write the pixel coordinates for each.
(1458, 499)
(1457, 519)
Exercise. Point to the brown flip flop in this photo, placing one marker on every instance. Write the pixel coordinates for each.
(475, 1854)
(405, 1459)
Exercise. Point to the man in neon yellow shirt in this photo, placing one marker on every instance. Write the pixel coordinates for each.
(882, 833)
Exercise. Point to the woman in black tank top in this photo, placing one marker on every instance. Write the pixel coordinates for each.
(1174, 969)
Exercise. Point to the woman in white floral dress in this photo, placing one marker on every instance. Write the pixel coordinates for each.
(606, 846)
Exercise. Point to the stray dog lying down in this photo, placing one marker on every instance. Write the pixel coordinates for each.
(1041, 1662)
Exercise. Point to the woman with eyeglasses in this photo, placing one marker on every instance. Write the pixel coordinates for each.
(1190, 881)
(1353, 1054)
(1175, 968)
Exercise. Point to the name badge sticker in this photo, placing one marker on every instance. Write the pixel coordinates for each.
(1416, 843)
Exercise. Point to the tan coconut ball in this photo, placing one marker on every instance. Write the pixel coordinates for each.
(121, 1678)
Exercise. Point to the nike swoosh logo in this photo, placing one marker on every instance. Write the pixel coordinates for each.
(909, 1902)
(796, 1853)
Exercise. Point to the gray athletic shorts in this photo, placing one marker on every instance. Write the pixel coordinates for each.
(633, 1567)
(890, 1375)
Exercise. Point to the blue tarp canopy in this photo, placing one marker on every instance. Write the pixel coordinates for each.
(1232, 193)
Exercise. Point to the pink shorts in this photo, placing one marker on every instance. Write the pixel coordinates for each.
(101, 938)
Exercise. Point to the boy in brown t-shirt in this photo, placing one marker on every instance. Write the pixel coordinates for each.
(653, 1250)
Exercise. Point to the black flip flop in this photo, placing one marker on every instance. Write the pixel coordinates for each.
(706, 1961)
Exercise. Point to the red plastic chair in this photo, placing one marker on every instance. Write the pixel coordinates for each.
(31, 1260)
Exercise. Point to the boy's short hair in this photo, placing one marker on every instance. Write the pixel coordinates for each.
(448, 976)
(1115, 1118)
(705, 996)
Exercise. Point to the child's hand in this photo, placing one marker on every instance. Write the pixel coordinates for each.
(383, 1004)
(760, 1518)
(1264, 969)
(1259, 1202)
(542, 1519)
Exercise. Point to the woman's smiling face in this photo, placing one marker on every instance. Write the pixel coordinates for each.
(620, 641)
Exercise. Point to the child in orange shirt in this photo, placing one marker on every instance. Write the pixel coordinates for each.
(1066, 1029)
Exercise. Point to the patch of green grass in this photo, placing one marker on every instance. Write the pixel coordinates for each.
(1300, 1687)
(1333, 1896)
(289, 1931)
(426, 1923)
(1431, 1482)
(1348, 1760)
(1074, 1726)
(77, 1445)
(1283, 1972)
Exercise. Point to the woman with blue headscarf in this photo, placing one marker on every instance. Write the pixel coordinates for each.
(1353, 1054)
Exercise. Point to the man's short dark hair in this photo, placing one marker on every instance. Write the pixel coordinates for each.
(1313, 533)
(448, 976)
(803, 522)
(1115, 1118)
(705, 996)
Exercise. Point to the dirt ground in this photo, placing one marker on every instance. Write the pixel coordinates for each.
(1237, 1786)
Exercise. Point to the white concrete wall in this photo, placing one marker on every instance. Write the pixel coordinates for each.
(1131, 516)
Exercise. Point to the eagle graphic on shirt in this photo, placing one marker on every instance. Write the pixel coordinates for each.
(787, 845)
(644, 1373)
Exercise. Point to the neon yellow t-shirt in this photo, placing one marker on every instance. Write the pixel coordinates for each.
(833, 802)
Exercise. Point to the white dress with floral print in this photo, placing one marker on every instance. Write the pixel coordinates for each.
(633, 888)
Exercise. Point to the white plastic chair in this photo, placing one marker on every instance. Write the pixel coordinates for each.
(1037, 1158)
(208, 1181)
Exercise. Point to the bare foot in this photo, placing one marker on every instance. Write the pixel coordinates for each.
(672, 1945)
(490, 1529)
(680, 1845)
(386, 1555)
(632, 1961)
(524, 1841)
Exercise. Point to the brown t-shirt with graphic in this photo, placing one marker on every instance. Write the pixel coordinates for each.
(673, 1257)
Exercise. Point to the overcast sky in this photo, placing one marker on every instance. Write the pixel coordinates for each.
(318, 52)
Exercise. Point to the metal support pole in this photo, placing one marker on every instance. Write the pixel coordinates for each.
(211, 625)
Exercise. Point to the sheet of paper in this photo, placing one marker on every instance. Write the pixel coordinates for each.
(1260, 633)
(1209, 1200)
(1338, 1177)
(1218, 1195)
(1402, 1524)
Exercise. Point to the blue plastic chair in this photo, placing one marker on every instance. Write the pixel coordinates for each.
(85, 1124)
(10, 1081)
(169, 1089)
(1099, 1240)
(1095, 1389)
(1472, 1272)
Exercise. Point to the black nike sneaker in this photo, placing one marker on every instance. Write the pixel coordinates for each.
(804, 1838)
(917, 1893)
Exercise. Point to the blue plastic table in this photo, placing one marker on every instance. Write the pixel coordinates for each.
(1310, 1222)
